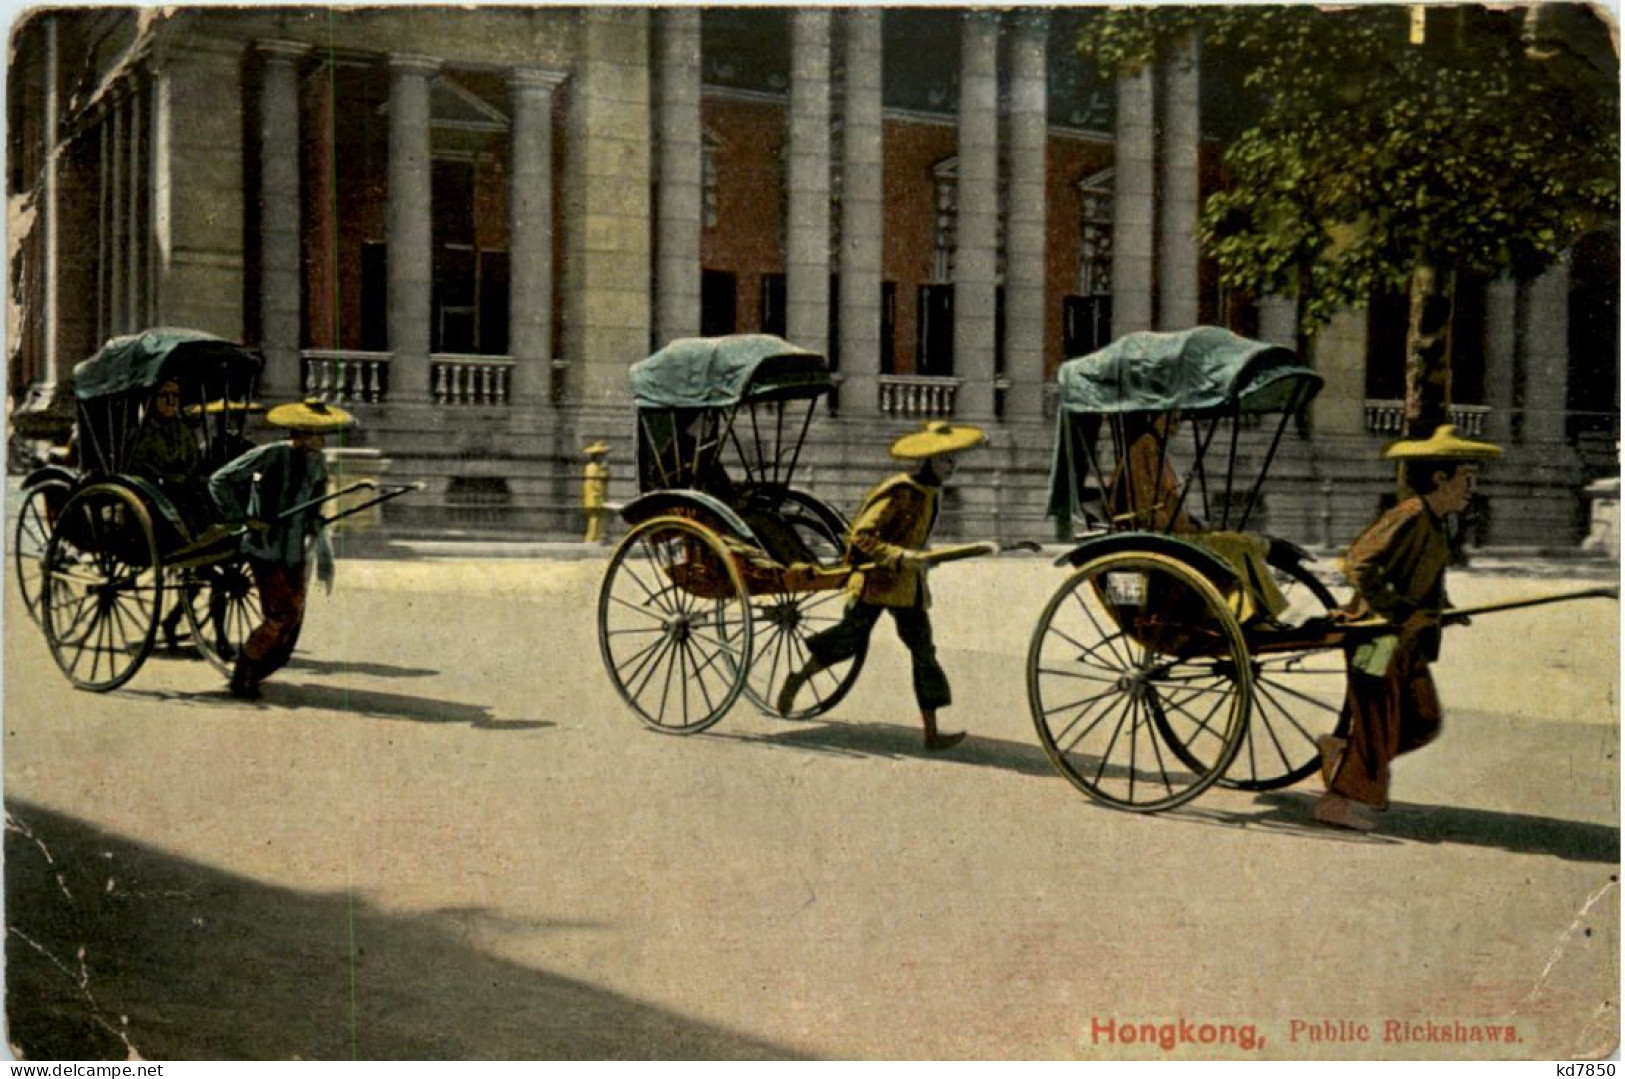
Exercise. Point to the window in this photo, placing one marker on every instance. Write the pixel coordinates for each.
(718, 303)
(774, 298)
(935, 351)
(1086, 324)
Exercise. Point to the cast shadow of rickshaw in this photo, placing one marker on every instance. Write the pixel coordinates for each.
(301, 696)
(323, 667)
(1290, 813)
(892, 741)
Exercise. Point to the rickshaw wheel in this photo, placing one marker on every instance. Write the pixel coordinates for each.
(1297, 696)
(102, 588)
(673, 609)
(42, 503)
(787, 621)
(1133, 650)
(223, 611)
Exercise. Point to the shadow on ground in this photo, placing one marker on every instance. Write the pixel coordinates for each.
(299, 696)
(114, 948)
(847, 738)
(1518, 833)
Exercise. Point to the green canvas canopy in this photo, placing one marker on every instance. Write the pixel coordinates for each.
(1204, 371)
(140, 361)
(717, 372)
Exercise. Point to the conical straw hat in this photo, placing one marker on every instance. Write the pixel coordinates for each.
(935, 437)
(309, 415)
(1443, 445)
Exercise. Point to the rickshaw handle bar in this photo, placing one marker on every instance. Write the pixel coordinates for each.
(359, 485)
(371, 502)
(1456, 614)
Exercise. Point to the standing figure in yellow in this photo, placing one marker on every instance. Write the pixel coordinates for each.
(595, 492)
(888, 538)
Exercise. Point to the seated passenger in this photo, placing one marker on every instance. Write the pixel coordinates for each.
(166, 452)
(1145, 494)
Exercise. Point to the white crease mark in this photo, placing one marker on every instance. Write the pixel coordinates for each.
(15, 825)
(1562, 945)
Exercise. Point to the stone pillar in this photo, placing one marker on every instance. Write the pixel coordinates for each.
(1278, 320)
(1177, 264)
(50, 213)
(1500, 357)
(135, 229)
(1339, 358)
(118, 186)
(1026, 310)
(1133, 203)
(280, 262)
(607, 259)
(197, 185)
(677, 274)
(862, 221)
(1546, 347)
(411, 255)
(807, 230)
(976, 236)
(321, 231)
(530, 208)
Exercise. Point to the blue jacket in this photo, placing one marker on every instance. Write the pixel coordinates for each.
(261, 484)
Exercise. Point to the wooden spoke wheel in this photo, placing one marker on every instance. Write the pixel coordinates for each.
(674, 625)
(1297, 695)
(1135, 654)
(222, 609)
(785, 620)
(102, 587)
(42, 503)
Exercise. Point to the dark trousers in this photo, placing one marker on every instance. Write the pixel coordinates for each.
(850, 636)
(282, 603)
(1388, 716)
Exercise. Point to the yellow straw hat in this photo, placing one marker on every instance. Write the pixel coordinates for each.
(935, 437)
(214, 408)
(596, 448)
(1443, 445)
(309, 415)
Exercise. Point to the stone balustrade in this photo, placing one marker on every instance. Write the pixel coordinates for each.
(470, 380)
(918, 396)
(344, 376)
(1388, 418)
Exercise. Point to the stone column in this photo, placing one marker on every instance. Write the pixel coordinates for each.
(50, 213)
(530, 208)
(1546, 348)
(280, 263)
(135, 228)
(976, 236)
(410, 253)
(807, 230)
(118, 158)
(197, 185)
(1500, 357)
(1178, 305)
(1133, 203)
(862, 221)
(1278, 320)
(607, 320)
(1339, 409)
(677, 269)
(1025, 308)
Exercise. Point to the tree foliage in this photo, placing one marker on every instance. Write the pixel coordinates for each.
(1492, 145)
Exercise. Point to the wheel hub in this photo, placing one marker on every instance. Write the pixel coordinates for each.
(680, 628)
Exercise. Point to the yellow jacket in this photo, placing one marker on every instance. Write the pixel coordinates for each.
(896, 517)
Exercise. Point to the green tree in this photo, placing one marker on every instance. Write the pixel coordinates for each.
(1388, 149)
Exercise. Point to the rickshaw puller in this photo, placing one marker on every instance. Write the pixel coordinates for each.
(891, 531)
(1397, 568)
(257, 488)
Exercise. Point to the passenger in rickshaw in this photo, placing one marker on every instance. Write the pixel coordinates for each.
(166, 452)
(259, 488)
(1397, 568)
(890, 533)
(1145, 494)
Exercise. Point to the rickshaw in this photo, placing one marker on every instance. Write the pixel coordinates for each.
(114, 542)
(727, 568)
(1182, 650)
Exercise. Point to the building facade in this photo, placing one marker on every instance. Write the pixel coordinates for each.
(466, 225)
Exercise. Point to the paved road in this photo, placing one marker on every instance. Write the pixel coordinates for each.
(441, 835)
